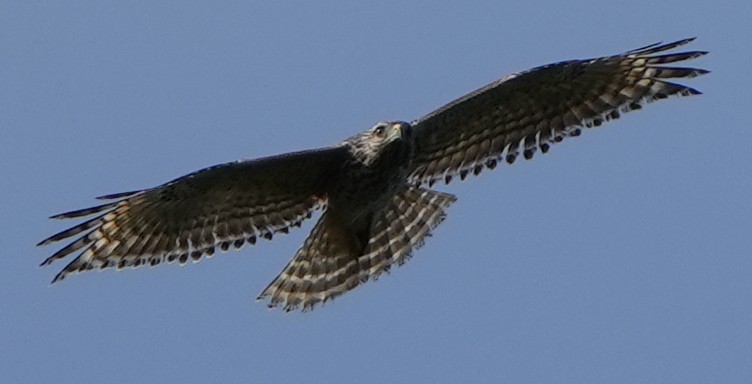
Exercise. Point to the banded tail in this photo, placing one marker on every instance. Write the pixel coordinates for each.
(332, 260)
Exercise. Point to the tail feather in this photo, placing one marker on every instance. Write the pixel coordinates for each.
(332, 261)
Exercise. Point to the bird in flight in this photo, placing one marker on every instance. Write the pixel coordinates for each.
(374, 188)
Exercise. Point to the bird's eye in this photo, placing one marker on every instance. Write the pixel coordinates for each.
(379, 131)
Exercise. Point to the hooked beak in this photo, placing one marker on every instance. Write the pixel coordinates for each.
(400, 128)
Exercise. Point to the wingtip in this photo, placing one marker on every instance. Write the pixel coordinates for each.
(680, 42)
(44, 242)
(661, 46)
(59, 277)
(118, 195)
(696, 54)
(85, 211)
(700, 72)
(46, 262)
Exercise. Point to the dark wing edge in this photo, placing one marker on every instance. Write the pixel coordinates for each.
(542, 106)
(219, 207)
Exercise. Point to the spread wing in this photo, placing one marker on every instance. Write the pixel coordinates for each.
(532, 109)
(221, 206)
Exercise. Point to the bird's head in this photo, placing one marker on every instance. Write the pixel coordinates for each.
(384, 139)
(386, 132)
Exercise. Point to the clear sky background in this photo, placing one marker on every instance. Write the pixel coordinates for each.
(620, 256)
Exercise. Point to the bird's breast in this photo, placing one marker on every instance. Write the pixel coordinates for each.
(359, 189)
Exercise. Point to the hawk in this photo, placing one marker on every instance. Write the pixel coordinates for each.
(373, 188)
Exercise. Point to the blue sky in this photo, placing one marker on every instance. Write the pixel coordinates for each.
(620, 256)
